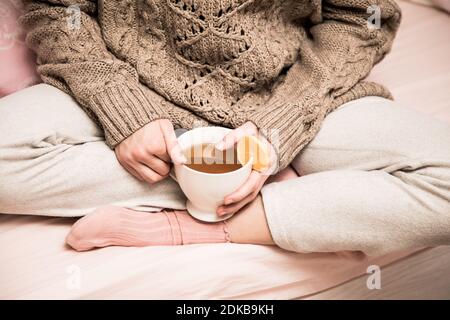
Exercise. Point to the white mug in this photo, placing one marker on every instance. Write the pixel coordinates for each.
(206, 191)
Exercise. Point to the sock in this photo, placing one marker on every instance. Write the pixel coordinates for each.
(116, 226)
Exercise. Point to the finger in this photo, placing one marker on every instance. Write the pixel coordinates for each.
(148, 174)
(247, 129)
(158, 147)
(160, 154)
(247, 188)
(235, 207)
(157, 165)
(172, 146)
(133, 172)
(230, 139)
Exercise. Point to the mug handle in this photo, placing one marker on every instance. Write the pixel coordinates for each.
(172, 174)
(178, 132)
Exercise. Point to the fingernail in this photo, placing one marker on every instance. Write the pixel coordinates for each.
(228, 201)
(220, 212)
(220, 145)
(181, 159)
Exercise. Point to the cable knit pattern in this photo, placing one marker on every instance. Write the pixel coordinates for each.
(283, 65)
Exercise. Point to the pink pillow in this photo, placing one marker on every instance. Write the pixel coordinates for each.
(17, 62)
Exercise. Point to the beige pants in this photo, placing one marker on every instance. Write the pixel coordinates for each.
(376, 177)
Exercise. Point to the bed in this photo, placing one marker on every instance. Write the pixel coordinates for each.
(36, 264)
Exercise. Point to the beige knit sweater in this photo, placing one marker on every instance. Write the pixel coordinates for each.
(282, 64)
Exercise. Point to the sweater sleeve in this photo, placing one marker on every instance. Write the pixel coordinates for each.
(340, 50)
(72, 56)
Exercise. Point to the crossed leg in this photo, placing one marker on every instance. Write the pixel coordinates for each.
(375, 179)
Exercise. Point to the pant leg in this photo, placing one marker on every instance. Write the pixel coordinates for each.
(376, 179)
(54, 161)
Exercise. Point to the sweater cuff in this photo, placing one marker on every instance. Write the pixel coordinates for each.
(289, 126)
(122, 110)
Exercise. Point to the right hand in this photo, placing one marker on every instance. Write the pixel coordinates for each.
(147, 153)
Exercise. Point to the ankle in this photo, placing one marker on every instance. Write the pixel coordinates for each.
(250, 225)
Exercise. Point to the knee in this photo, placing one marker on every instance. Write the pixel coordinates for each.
(16, 195)
(44, 110)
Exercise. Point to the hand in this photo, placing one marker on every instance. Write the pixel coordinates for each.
(250, 189)
(147, 153)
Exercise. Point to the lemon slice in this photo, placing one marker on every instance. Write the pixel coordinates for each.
(250, 147)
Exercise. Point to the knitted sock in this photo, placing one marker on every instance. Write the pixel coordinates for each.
(116, 226)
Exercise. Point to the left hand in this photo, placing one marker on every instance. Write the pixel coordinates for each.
(250, 189)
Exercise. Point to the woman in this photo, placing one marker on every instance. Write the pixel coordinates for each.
(372, 181)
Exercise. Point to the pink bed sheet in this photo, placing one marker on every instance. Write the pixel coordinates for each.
(35, 264)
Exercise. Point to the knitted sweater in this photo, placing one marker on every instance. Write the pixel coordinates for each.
(282, 64)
